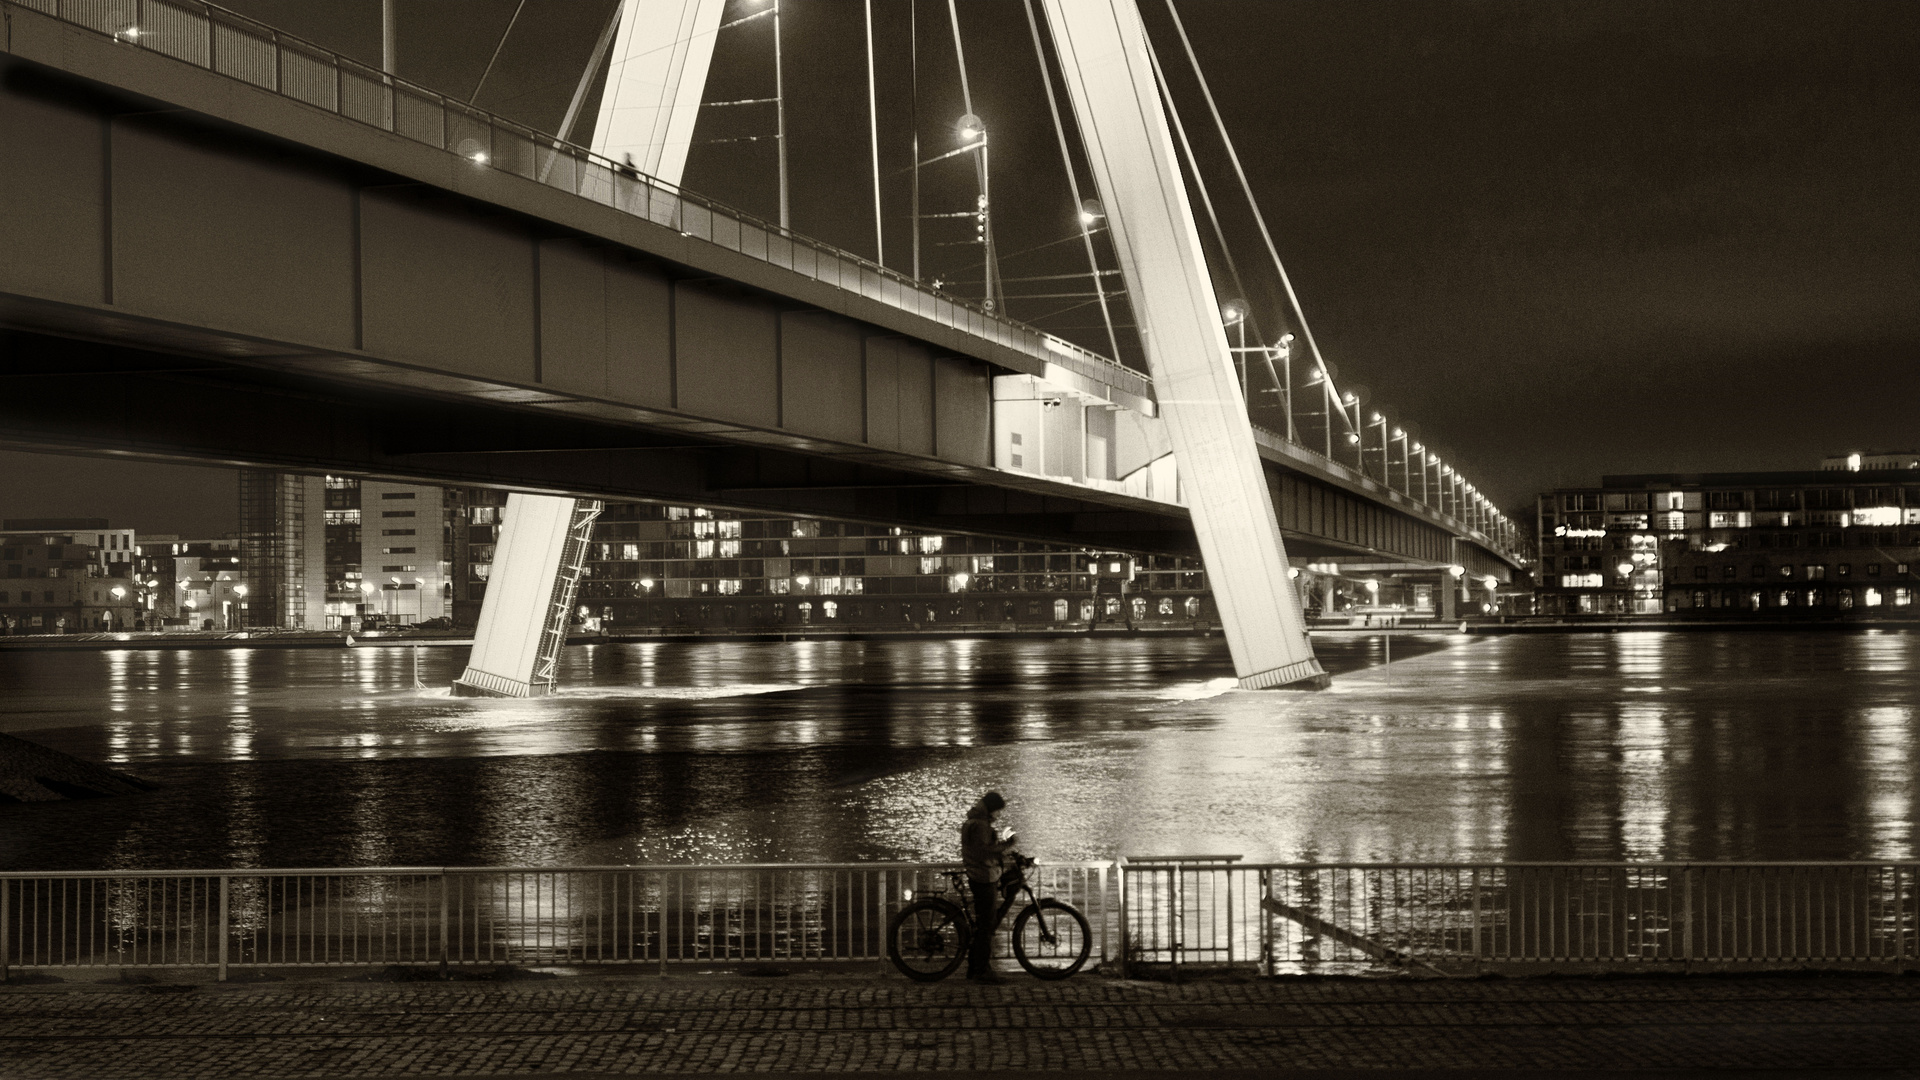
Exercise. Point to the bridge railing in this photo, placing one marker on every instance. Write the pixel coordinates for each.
(230, 44)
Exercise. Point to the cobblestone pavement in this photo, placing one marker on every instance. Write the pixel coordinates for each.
(626, 1025)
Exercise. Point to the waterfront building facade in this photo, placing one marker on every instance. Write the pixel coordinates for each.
(694, 569)
(341, 553)
(58, 581)
(1821, 544)
(1871, 461)
(211, 590)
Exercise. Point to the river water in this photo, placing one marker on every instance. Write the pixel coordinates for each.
(1758, 745)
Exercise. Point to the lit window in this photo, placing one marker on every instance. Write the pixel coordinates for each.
(1166, 605)
(729, 586)
(703, 549)
(1872, 598)
(830, 609)
(1193, 607)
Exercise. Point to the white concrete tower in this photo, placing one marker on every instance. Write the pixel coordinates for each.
(654, 83)
(1116, 99)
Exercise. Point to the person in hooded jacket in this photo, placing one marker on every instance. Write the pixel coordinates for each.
(984, 852)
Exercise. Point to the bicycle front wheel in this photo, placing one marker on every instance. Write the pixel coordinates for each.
(927, 939)
(1051, 939)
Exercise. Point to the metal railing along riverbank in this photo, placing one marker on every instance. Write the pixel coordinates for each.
(1159, 914)
(658, 916)
(1458, 918)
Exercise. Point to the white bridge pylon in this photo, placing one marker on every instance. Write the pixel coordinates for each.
(523, 620)
(1109, 74)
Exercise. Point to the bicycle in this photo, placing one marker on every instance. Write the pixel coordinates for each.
(929, 937)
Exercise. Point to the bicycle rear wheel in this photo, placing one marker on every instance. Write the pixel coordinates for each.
(927, 939)
(1051, 939)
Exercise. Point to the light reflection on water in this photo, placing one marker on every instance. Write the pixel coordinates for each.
(1595, 746)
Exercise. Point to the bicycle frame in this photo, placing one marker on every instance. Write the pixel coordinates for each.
(1009, 896)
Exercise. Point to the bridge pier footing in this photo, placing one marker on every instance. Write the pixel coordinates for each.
(523, 620)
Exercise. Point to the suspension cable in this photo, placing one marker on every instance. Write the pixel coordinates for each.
(475, 96)
(1241, 357)
(1073, 181)
(1246, 188)
(873, 142)
(1200, 182)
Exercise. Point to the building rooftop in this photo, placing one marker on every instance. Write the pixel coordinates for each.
(52, 524)
(1814, 477)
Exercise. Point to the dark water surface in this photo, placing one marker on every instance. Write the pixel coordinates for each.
(1590, 746)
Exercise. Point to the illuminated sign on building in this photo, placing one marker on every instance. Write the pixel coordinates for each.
(1562, 530)
(1877, 515)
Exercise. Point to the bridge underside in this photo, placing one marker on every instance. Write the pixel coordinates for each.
(72, 392)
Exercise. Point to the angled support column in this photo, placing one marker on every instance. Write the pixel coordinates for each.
(523, 621)
(1109, 76)
(654, 83)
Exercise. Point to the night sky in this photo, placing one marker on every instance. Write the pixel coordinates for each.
(1560, 239)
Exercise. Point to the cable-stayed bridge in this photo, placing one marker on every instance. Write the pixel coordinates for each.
(222, 244)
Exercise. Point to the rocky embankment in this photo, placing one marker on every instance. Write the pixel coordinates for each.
(31, 773)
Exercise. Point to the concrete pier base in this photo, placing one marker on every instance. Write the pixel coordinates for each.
(523, 620)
